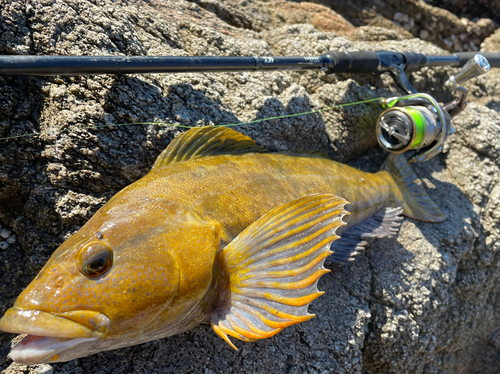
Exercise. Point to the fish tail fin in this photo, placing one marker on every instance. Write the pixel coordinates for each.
(416, 203)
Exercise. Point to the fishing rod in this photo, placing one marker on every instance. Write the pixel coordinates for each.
(415, 122)
(364, 62)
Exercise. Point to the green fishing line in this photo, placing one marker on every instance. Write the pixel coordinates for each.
(92, 127)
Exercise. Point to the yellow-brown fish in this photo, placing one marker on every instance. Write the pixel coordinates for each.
(218, 230)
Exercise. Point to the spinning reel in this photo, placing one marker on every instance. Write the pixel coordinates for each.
(416, 122)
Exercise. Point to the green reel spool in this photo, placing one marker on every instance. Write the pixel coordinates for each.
(400, 129)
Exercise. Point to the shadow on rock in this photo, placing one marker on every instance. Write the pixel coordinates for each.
(413, 280)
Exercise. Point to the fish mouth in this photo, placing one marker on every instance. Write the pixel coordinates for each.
(33, 349)
(50, 334)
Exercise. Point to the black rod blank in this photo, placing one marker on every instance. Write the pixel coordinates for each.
(331, 62)
(82, 65)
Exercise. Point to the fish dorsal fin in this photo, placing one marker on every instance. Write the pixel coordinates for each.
(206, 141)
(270, 271)
(383, 224)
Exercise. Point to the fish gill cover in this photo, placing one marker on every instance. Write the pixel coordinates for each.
(426, 301)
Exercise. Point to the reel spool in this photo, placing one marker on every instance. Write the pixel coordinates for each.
(414, 122)
(402, 129)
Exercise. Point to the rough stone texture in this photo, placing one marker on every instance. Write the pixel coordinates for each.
(471, 8)
(258, 16)
(417, 18)
(491, 43)
(486, 89)
(427, 301)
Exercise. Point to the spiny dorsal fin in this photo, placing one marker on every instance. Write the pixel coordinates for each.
(206, 141)
(271, 270)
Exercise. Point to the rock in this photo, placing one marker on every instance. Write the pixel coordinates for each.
(424, 34)
(415, 16)
(426, 301)
(400, 17)
(5, 233)
(487, 88)
(249, 15)
(4, 245)
(471, 8)
(375, 20)
(483, 28)
(410, 24)
(491, 43)
(374, 33)
(322, 18)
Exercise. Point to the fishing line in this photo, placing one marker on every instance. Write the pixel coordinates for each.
(93, 127)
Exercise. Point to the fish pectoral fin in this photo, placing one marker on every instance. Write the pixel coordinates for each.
(270, 271)
(383, 224)
(206, 141)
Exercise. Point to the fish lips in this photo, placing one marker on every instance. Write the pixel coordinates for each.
(34, 349)
(49, 334)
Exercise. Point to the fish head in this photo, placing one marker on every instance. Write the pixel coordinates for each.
(110, 282)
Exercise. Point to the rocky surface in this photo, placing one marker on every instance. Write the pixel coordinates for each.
(427, 301)
(420, 19)
(471, 8)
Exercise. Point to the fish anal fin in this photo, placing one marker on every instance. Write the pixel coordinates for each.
(206, 141)
(383, 224)
(271, 270)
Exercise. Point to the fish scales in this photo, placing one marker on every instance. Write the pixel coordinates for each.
(218, 231)
(225, 188)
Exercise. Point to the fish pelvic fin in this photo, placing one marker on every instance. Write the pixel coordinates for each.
(271, 270)
(416, 203)
(383, 224)
(206, 141)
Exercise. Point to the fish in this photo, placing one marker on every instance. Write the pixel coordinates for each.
(219, 231)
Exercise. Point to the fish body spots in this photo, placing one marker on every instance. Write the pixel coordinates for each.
(59, 282)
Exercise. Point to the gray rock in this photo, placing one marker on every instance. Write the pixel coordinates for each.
(427, 301)
(5, 233)
(416, 16)
(424, 34)
(400, 17)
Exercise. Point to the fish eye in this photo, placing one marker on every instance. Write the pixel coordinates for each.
(94, 259)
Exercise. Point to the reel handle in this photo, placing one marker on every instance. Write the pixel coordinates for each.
(476, 66)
